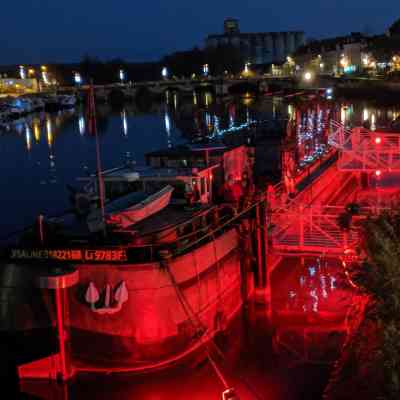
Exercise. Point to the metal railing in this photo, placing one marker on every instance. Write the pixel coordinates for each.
(152, 247)
(365, 150)
(316, 228)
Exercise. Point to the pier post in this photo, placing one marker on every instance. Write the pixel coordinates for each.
(60, 306)
(259, 248)
(56, 367)
(268, 294)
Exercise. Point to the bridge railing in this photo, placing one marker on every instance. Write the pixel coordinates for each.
(365, 150)
(316, 228)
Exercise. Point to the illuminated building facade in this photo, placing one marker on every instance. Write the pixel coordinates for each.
(18, 86)
(337, 55)
(258, 48)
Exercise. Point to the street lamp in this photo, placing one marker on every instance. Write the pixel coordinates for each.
(121, 75)
(45, 76)
(205, 70)
(308, 76)
(344, 62)
(22, 73)
(77, 78)
(164, 73)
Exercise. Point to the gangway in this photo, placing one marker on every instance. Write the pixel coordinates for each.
(310, 229)
(365, 150)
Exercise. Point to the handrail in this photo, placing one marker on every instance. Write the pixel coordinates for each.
(175, 246)
(329, 210)
(212, 233)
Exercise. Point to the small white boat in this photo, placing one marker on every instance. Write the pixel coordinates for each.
(137, 212)
(130, 209)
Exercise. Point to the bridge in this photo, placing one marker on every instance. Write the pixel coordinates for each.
(220, 86)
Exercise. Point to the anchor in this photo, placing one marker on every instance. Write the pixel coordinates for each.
(121, 295)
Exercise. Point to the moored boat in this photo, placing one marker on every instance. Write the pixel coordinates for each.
(147, 294)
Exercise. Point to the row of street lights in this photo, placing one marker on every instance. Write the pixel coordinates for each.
(78, 80)
(32, 73)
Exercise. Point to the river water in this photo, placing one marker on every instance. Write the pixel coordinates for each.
(42, 153)
(287, 357)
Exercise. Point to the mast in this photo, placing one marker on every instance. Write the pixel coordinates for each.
(93, 130)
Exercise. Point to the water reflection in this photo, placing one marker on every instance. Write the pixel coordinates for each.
(36, 129)
(367, 115)
(28, 138)
(81, 124)
(124, 122)
(49, 130)
(307, 138)
(167, 121)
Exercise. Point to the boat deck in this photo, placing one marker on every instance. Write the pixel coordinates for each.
(170, 216)
(173, 214)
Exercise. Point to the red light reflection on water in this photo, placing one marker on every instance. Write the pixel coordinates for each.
(306, 294)
(310, 286)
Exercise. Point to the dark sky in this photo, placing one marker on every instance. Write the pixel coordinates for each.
(38, 31)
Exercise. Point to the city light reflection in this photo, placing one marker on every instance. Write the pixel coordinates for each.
(28, 137)
(49, 129)
(124, 122)
(82, 125)
(167, 122)
(36, 130)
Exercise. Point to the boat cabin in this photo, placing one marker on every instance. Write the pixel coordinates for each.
(184, 176)
(197, 170)
(129, 179)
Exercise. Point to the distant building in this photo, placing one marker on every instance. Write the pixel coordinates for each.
(17, 86)
(343, 54)
(258, 48)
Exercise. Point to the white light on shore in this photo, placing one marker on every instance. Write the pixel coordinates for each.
(77, 78)
(308, 76)
(22, 73)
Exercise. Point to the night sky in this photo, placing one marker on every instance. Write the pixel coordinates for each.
(39, 31)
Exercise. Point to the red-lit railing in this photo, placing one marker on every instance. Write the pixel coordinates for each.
(315, 228)
(365, 150)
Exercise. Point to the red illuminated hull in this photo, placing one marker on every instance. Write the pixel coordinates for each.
(168, 313)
